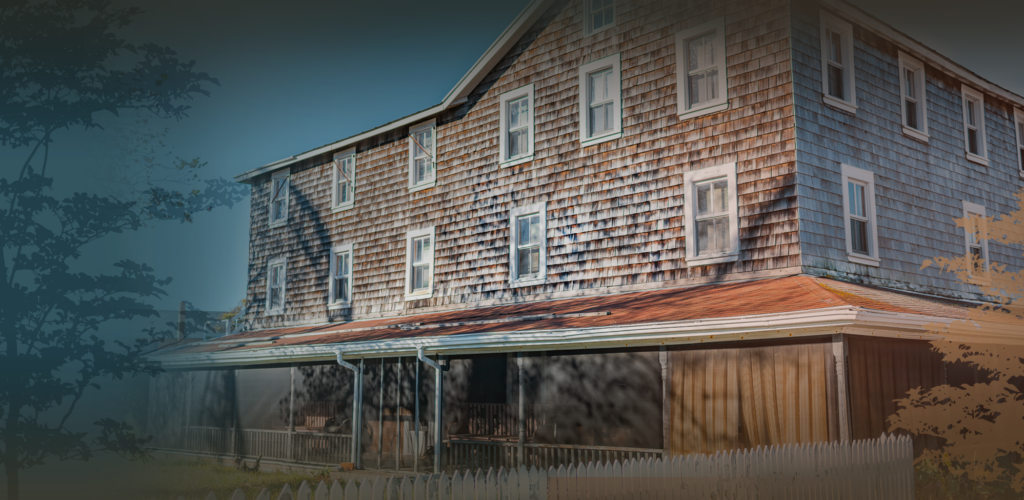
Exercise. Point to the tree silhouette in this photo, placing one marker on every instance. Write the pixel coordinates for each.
(981, 424)
(61, 65)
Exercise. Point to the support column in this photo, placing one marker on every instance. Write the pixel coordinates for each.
(380, 419)
(291, 414)
(438, 408)
(840, 350)
(416, 419)
(522, 410)
(666, 420)
(398, 418)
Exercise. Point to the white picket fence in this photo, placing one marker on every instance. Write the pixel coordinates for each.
(876, 469)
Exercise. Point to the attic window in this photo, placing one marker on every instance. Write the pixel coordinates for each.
(700, 69)
(1018, 116)
(419, 264)
(343, 180)
(600, 15)
(517, 125)
(279, 199)
(837, 69)
(600, 101)
(422, 156)
(913, 98)
(974, 125)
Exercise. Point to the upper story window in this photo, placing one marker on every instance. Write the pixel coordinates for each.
(343, 180)
(517, 122)
(600, 101)
(974, 125)
(528, 245)
(976, 246)
(1018, 117)
(340, 291)
(279, 198)
(276, 269)
(700, 69)
(837, 78)
(419, 264)
(600, 15)
(710, 208)
(859, 215)
(913, 97)
(422, 156)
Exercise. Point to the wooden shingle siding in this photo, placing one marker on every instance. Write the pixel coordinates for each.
(919, 187)
(615, 213)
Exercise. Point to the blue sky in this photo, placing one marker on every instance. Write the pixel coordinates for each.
(298, 75)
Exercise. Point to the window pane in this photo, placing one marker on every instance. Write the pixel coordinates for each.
(835, 49)
(972, 140)
(721, 195)
(722, 234)
(535, 229)
(856, 199)
(911, 84)
(705, 234)
(341, 289)
(697, 83)
(712, 236)
(859, 234)
(971, 113)
(703, 199)
(976, 257)
(517, 143)
(421, 277)
(524, 231)
(600, 119)
(421, 250)
(911, 114)
(529, 261)
(835, 82)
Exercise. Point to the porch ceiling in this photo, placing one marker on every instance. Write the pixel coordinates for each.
(779, 307)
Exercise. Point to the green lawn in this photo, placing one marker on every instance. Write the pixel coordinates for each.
(193, 479)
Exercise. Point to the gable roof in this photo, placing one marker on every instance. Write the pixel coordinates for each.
(536, 8)
(456, 96)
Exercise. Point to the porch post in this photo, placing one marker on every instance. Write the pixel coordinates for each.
(291, 413)
(357, 419)
(666, 421)
(398, 418)
(188, 407)
(380, 418)
(438, 407)
(416, 417)
(839, 352)
(522, 411)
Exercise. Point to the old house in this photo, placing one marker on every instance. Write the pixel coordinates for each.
(634, 227)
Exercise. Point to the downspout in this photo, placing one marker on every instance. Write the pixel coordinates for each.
(438, 406)
(357, 407)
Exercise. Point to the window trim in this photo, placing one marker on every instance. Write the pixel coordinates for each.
(413, 186)
(614, 62)
(271, 222)
(974, 208)
(682, 59)
(845, 29)
(965, 93)
(332, 303)
(409, 237)
(906, 62)
(588, 29)
(527, 91)
(690, 181)
(513, 266)
(849, 173)
(335, 205)
(1018, 122)
(283, 261)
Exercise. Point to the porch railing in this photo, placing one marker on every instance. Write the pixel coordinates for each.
(498, 419)
(471, 455)
(309, 447)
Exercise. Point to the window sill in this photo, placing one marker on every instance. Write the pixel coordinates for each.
(421, 187)
(980, 160)
(517, 161)
(338, 306)
(527, 282)
(278, 223)
(916, 134)
(839, 103)
(863, 259)
(342, 208)
(593, 141)
(418, 296)
(712, 259)
(707, 110)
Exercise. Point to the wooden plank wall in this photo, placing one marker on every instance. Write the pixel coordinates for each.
(615, 211)
(919, 187)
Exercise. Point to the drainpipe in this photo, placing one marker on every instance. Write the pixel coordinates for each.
(357, 406)
(438, 406)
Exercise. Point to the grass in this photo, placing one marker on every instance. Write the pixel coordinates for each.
(195, 479)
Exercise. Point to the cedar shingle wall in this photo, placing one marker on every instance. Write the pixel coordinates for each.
(615, 214)
(919, 187)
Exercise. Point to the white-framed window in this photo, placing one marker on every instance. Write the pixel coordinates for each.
(528, 245)
(276, 280)
(700, 69)
(974, 125)
(419, 264)
(600, 101)
(340, 287)
(422, 156)
(516, 129)
(913, 97)
(710, 208)
(343, 180)
(837, 69)
(1018, 119)
(975, 246)
(600, 15)
(859, 216)
(279, 198)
